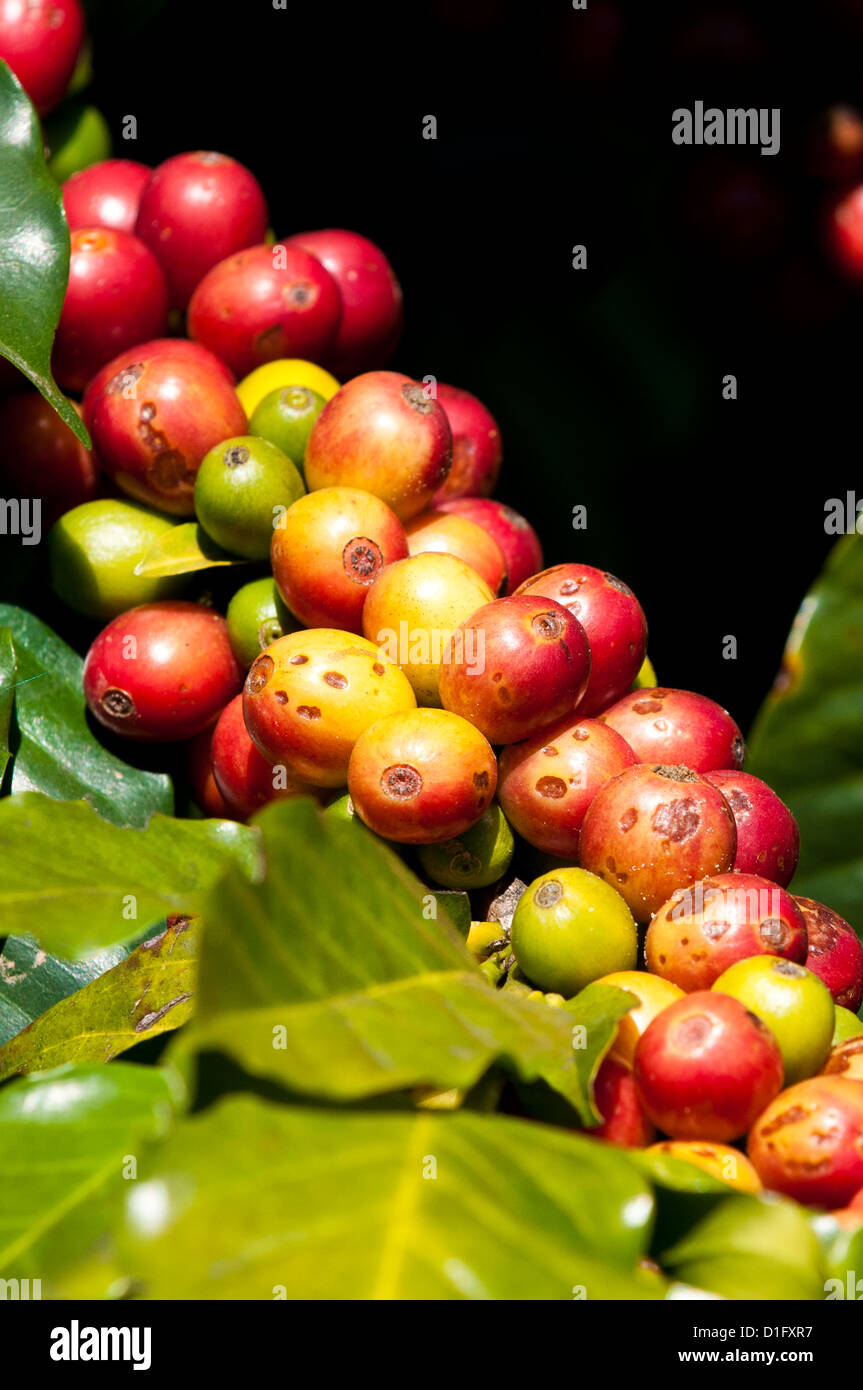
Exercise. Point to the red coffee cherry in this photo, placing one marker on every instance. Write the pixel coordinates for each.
(106, 194)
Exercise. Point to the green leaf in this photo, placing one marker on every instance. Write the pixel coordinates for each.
(7, 695)
(74, 881)
(339, 986)
(65, 1136)
(31, 981)
(58, 753)
(34, 248)
(808, 739)
(148, 993)
(456, 905)
(844, 1258)
(750, 1247)
(182, 550)
(270, 1201)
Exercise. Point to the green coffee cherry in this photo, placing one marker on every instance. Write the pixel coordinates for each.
(77, 136)
(243, 487)
(285, 417)
(570, 928)
(256, 617)
(92, 553)
(846, 1025)
(796, 1006)
(477, 858)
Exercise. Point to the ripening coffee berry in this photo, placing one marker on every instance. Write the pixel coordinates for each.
(243, 489)
(106, 194)
(328, 550)
(476, 446)
(93, 551)
(41, 40)
(286, 417)
(422, 776)
(440, 533)
(371, 321)
(724, 918)
(476, 858)
(414, 608)
(311, 694)
(623, 1117)
(706, 1067)
(677, 726)
(808, 1144)
(652, 993)
(116, 297)
(257, 618)
(154, 412)
(719, 1160)
(43, 458)
(768, 841)
(519, 664)
(161, 672)
(835, 952)
(547, 783)
(245, 778)
(654, 829)
(794, 1004)
(615, 625)
(383, 433)
(196, 209)
(264, 303)
(516, 537)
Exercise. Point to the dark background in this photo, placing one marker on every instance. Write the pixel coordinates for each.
(554, 128)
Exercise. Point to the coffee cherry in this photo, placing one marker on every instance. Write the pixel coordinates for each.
(256, 618)
(276, 376)
(478, 857)
(794, 1004)
(845, 233)
(76, 136)
(197, 209)
(161, 672)
(616, 1098)
(768, 841)
(382, 433)
(845, 1025)
(705, 1068)
(476, 446)
(677, 726)
(286, 417)
(106, 194)
(327, 551)
(654, 829)
(653, 995)
(709, 926)
(518, 664)
(41, 40)
(371, 296)
(615, 625)
(547, 783)
(835, 952)
(412, 611)
(808, 1144)
(846, 1059)
(719, 1160)
(516, 537)
(154, 412)
(265, 303)
(116, 297)
(440, 534)
(569, 928)
(93, 550)
(245, 778)
(199, 768)
(43, 458)
(243, 489)
(311, 694)
(421, 776)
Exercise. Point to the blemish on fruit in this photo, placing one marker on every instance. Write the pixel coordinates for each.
(773, 932)
(553, 787)
(548, 893)
(676, 820)
(308, 712)
(235, 456)
(628, 819)
(692, 1032)
(336, 680)
(259, 674)
(401, 781)
(548, 626)
(118, 703)
(280, 697)
(417, 398)
(362, 559)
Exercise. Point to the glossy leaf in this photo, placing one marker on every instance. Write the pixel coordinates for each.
(808, 739)
(65, 1137)
(79, 884)
(182, 550)
(270, 1201)
(151, 991)
(594, 1014)
(34, 248)
(58, 753)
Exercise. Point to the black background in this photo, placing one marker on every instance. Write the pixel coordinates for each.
(554, 128)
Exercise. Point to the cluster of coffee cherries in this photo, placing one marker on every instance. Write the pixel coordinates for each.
(402, 656)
